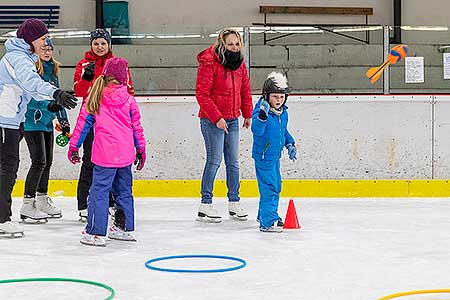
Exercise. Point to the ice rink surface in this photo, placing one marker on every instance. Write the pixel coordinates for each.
(347, 249)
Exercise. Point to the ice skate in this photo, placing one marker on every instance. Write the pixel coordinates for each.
(116, 233)
(45, 204)
(83, 215)
(92, 240)
(11, 229)
(208, 214)
(236, 211)
(30, 214)
(276, 227)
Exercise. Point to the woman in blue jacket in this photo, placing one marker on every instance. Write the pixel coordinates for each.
(270, 136)
(19, 82)
(39, 137)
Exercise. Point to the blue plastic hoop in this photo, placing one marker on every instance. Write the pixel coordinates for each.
(149, 262)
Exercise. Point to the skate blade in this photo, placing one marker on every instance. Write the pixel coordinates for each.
(208, 220)
(237, 218)
(271, 230)
(82, 219)
(119, 239)
(12, 235)
(28, 220)
(93, 245)
(59, 216)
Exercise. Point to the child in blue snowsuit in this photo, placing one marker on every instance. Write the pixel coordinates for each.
(270, 136)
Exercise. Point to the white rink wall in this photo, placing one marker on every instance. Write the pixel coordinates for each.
(338, 137)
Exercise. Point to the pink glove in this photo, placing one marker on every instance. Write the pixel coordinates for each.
(73, 155)
(141, 156)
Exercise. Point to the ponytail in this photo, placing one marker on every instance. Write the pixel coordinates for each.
(96, 93)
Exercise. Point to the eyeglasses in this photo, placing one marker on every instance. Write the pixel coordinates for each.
(46, 49)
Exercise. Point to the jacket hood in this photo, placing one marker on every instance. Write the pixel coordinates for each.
(16, 44)
(91, 56)
(115, 95)
(208, 55)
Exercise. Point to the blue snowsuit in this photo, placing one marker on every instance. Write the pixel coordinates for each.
(269, 138)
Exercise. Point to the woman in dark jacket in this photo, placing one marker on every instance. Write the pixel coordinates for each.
(86, 72)
(223, 93)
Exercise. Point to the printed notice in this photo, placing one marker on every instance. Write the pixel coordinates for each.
(446, 65)
(414, 70)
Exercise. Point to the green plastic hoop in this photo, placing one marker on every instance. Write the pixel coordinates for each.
(99, 284)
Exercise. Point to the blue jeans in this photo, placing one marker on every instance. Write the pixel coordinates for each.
(217, 142)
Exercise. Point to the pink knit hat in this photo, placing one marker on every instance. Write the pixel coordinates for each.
(31, 29)
(117, 67)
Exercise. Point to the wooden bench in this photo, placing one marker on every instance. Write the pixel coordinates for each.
(314, 10)
(11, 16)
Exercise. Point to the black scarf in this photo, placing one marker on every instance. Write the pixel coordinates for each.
(232, 60)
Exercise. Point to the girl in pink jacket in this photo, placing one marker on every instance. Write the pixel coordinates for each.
(119, 141)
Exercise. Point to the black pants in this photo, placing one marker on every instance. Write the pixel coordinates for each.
(9, 164)
(40, 146)
(85, 179)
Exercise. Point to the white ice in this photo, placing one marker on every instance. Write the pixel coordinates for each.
(347, 249)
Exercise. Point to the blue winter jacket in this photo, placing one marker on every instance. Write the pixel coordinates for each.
(38, 117)
(271, 135)
(19, 82)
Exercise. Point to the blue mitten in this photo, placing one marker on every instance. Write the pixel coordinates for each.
(292, 152)
(263, 110)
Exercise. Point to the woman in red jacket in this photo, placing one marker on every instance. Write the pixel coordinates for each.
(87, 70)
(223, 93)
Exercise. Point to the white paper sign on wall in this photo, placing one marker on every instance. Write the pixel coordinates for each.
(414, 70)
(446, 64)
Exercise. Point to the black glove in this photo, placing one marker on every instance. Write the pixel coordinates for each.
(65, 99)
(89, 72)
(65, 127)
(54, 107)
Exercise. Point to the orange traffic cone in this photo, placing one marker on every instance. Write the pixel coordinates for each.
(291, 220)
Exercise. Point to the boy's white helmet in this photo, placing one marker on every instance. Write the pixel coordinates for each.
(275, 83)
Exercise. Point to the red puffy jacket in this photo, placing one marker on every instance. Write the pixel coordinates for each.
(221, 92)
(82, 86)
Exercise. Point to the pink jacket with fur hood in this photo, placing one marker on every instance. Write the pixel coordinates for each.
(118, 133)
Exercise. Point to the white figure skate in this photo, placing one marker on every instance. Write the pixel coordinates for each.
(44, 203)
(236, 211)
(116, 233)
(11, 229)
(208, 214)
(92, 240)
(29, 213)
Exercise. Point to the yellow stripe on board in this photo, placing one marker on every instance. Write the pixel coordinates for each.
(291, 188)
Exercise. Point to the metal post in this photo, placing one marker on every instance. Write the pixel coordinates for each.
(247, 47)
(98, 13)
(385, 56)
(397, 38)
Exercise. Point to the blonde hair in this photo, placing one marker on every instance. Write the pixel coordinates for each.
(220, 45)
(40, 66)
(96, 93)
